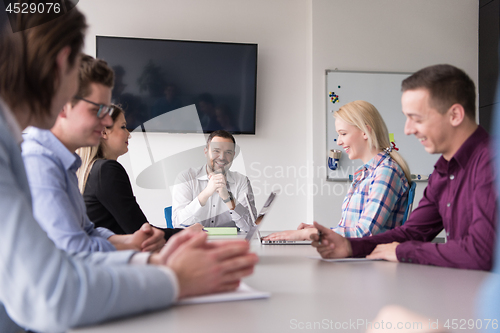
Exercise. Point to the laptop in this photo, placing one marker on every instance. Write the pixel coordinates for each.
(254, 230)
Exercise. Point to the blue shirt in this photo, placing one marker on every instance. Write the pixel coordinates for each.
(58, 205)
(45, 289)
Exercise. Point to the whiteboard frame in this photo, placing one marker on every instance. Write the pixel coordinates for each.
(340, 179)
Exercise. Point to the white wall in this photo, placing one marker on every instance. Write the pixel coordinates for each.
(280, 29)
(298, 40)
(383, 35)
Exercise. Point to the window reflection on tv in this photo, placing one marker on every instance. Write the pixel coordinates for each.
(175, 86)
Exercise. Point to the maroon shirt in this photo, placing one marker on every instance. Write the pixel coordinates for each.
(460, 198)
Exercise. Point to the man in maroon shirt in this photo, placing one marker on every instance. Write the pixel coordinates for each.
(439, 105)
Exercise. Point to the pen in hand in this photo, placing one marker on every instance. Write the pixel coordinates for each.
(319, 236)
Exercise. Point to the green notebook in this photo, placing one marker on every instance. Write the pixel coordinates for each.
(221, 230)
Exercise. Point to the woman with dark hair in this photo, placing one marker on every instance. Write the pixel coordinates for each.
(105, 184)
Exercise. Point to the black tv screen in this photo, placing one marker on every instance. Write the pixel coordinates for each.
(176, 86)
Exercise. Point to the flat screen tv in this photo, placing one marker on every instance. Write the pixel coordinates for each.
(176, 86)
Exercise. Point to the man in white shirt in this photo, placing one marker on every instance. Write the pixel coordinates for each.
(212, 195)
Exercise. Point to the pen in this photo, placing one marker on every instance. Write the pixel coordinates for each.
(319, 236)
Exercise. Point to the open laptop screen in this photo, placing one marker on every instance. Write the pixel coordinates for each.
(260, 217)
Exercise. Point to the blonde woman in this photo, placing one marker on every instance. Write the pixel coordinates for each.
(378, 195)
(105, 184)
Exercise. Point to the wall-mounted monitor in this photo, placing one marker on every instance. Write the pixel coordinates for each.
(176, 86)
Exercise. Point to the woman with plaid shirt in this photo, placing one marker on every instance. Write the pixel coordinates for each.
(378, 195)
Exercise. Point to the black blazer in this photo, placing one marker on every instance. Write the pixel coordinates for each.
(110, 201)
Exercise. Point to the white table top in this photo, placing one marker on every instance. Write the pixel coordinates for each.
(309, 290)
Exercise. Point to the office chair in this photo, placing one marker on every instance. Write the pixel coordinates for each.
(409, 206)
(168, 216)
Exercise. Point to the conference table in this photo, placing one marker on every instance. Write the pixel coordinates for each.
(309, 293)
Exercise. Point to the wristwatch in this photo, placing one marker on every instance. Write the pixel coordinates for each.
(229, 198)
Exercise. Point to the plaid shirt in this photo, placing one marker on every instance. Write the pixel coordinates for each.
(377, 199)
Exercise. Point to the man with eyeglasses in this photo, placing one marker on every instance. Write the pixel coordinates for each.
(211, 194)
(51, 165)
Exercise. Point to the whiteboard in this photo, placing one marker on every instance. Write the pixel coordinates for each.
(383, 90)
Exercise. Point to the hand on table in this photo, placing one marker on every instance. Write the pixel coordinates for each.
(197, 227)
(302, 234)
(332, 245)
(305, 226)
(172, 245)
(147, 238)
(385, 251)
(156, 239)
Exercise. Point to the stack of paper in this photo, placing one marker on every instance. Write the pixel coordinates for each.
(243, 292)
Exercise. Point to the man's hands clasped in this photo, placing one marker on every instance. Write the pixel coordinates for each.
(216, 183)
(205, 267)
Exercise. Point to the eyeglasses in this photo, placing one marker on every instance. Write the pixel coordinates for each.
(103, 109)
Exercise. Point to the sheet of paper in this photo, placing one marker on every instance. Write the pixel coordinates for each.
(243, 292)
(345, 259)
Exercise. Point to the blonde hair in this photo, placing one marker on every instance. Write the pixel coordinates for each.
(366, 117)
(88, 156)
(91, 154)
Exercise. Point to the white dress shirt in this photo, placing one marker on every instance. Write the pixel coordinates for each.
(187, 210)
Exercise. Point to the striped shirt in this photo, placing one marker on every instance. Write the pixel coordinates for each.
(377, 199)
